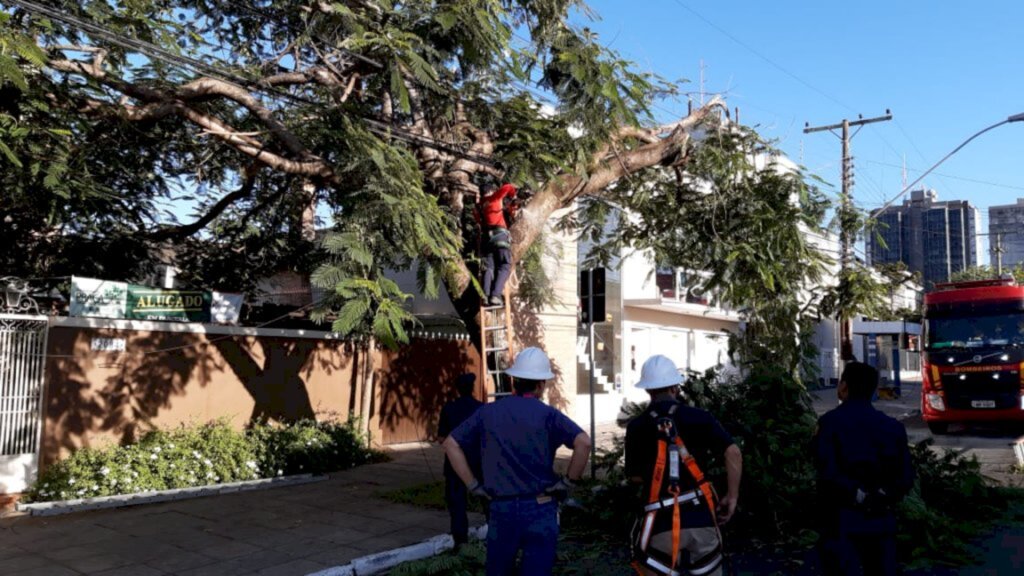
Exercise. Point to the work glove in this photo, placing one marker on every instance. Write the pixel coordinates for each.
(561, 489)
(477, 489)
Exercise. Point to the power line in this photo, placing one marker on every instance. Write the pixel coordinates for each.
(963, 178)
(757, 53)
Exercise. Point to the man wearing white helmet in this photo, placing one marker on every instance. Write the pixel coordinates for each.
(667, 448)
(518, 437)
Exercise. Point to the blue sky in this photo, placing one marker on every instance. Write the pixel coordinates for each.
(944, 69)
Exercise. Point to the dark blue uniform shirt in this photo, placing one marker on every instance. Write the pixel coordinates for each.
(858, 447)
(454, 413)
(517, 437)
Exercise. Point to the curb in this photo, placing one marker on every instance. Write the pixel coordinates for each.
(121, 500)
(380, 561)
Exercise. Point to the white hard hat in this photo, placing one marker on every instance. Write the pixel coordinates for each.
(659, 372)
(532, 364)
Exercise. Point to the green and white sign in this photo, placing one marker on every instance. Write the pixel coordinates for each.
(98, 298)
(159, 304)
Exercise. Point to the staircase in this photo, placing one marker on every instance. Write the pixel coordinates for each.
(601, 380)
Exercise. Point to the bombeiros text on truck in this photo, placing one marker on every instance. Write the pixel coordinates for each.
(973, 365)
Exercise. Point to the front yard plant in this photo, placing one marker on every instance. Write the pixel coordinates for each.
(203, 455)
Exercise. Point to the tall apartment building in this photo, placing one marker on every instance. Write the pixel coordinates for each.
(1007, 223)
(934, 238)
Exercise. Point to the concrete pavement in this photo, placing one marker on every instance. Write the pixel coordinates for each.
(289, 531)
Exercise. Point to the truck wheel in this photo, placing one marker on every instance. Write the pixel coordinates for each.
(938, 428)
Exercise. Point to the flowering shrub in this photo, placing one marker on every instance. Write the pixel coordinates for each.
(212, 453)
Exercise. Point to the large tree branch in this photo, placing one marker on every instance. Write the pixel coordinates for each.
(184, 231)
(158, 103)
(560, 191)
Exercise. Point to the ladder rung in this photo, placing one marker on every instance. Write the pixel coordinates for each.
(492, 328)
(499, 307)
(489, 350)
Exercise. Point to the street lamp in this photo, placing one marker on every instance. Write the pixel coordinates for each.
(1014, 118)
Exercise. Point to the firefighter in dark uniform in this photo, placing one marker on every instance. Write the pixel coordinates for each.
(455, 494)
(864, 470)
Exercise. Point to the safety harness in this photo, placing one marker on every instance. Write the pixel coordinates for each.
(664, 494)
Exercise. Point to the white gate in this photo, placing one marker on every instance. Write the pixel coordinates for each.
(22, 355)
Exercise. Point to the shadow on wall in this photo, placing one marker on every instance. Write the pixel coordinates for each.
(529, 331)
(415, 384)
(167, 378)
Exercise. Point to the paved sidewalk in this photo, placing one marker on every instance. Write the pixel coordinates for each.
(290, 531)
(286, 531)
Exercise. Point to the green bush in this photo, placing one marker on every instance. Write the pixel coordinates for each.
(948, 507)
(207, 454)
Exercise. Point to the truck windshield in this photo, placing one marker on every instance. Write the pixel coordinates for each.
(976, 331)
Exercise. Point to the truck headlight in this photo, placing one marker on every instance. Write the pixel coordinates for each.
(936, 403)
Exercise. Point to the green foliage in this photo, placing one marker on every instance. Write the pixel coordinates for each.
(741, 217)
(203, 455)
(430, 495)
(951, 504)
(988, 273)
(470, 560)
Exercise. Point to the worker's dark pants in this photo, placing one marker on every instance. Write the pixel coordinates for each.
(528, 524)
(859, 554)
(497, 269)
(858, 541)
(457, 497)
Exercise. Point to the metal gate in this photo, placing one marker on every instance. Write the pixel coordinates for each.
(22, 356)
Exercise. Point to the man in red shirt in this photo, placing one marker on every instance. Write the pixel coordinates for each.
(497, 240)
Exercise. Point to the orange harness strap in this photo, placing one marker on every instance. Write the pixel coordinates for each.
(698, 477)
(657, 478)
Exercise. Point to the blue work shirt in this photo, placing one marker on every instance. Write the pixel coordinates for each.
(857, 447)
(517, 437)
(454, 413)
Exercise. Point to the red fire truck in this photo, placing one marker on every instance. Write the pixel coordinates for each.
(974, 356)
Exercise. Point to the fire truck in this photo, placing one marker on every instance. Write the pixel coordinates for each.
(973, 365)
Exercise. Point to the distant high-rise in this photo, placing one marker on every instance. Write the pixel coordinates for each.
(1007, 222)
(937, 239)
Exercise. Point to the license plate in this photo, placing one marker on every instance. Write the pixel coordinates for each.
(983, 403)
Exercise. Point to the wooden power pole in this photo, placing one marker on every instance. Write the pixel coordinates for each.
(846, 235)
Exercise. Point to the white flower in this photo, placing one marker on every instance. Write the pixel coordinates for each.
(308, 443)
(173, 466)
(71, 481)
(171, 445)
(80, 492)
(197, 454)
(46, 485)
(157, 449)
(152, 456)
(135, 474)
(280, 473)
(104, 470)
(251, 464)
(207, 462)
(95, 487)
(216, 478)
(113, 481)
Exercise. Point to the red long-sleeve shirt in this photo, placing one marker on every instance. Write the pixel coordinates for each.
(491, 208)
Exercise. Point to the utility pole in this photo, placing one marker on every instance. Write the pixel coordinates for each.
(846, 235)
(999, 254)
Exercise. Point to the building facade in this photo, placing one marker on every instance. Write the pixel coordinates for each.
(1006, 223)
(932, 237)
